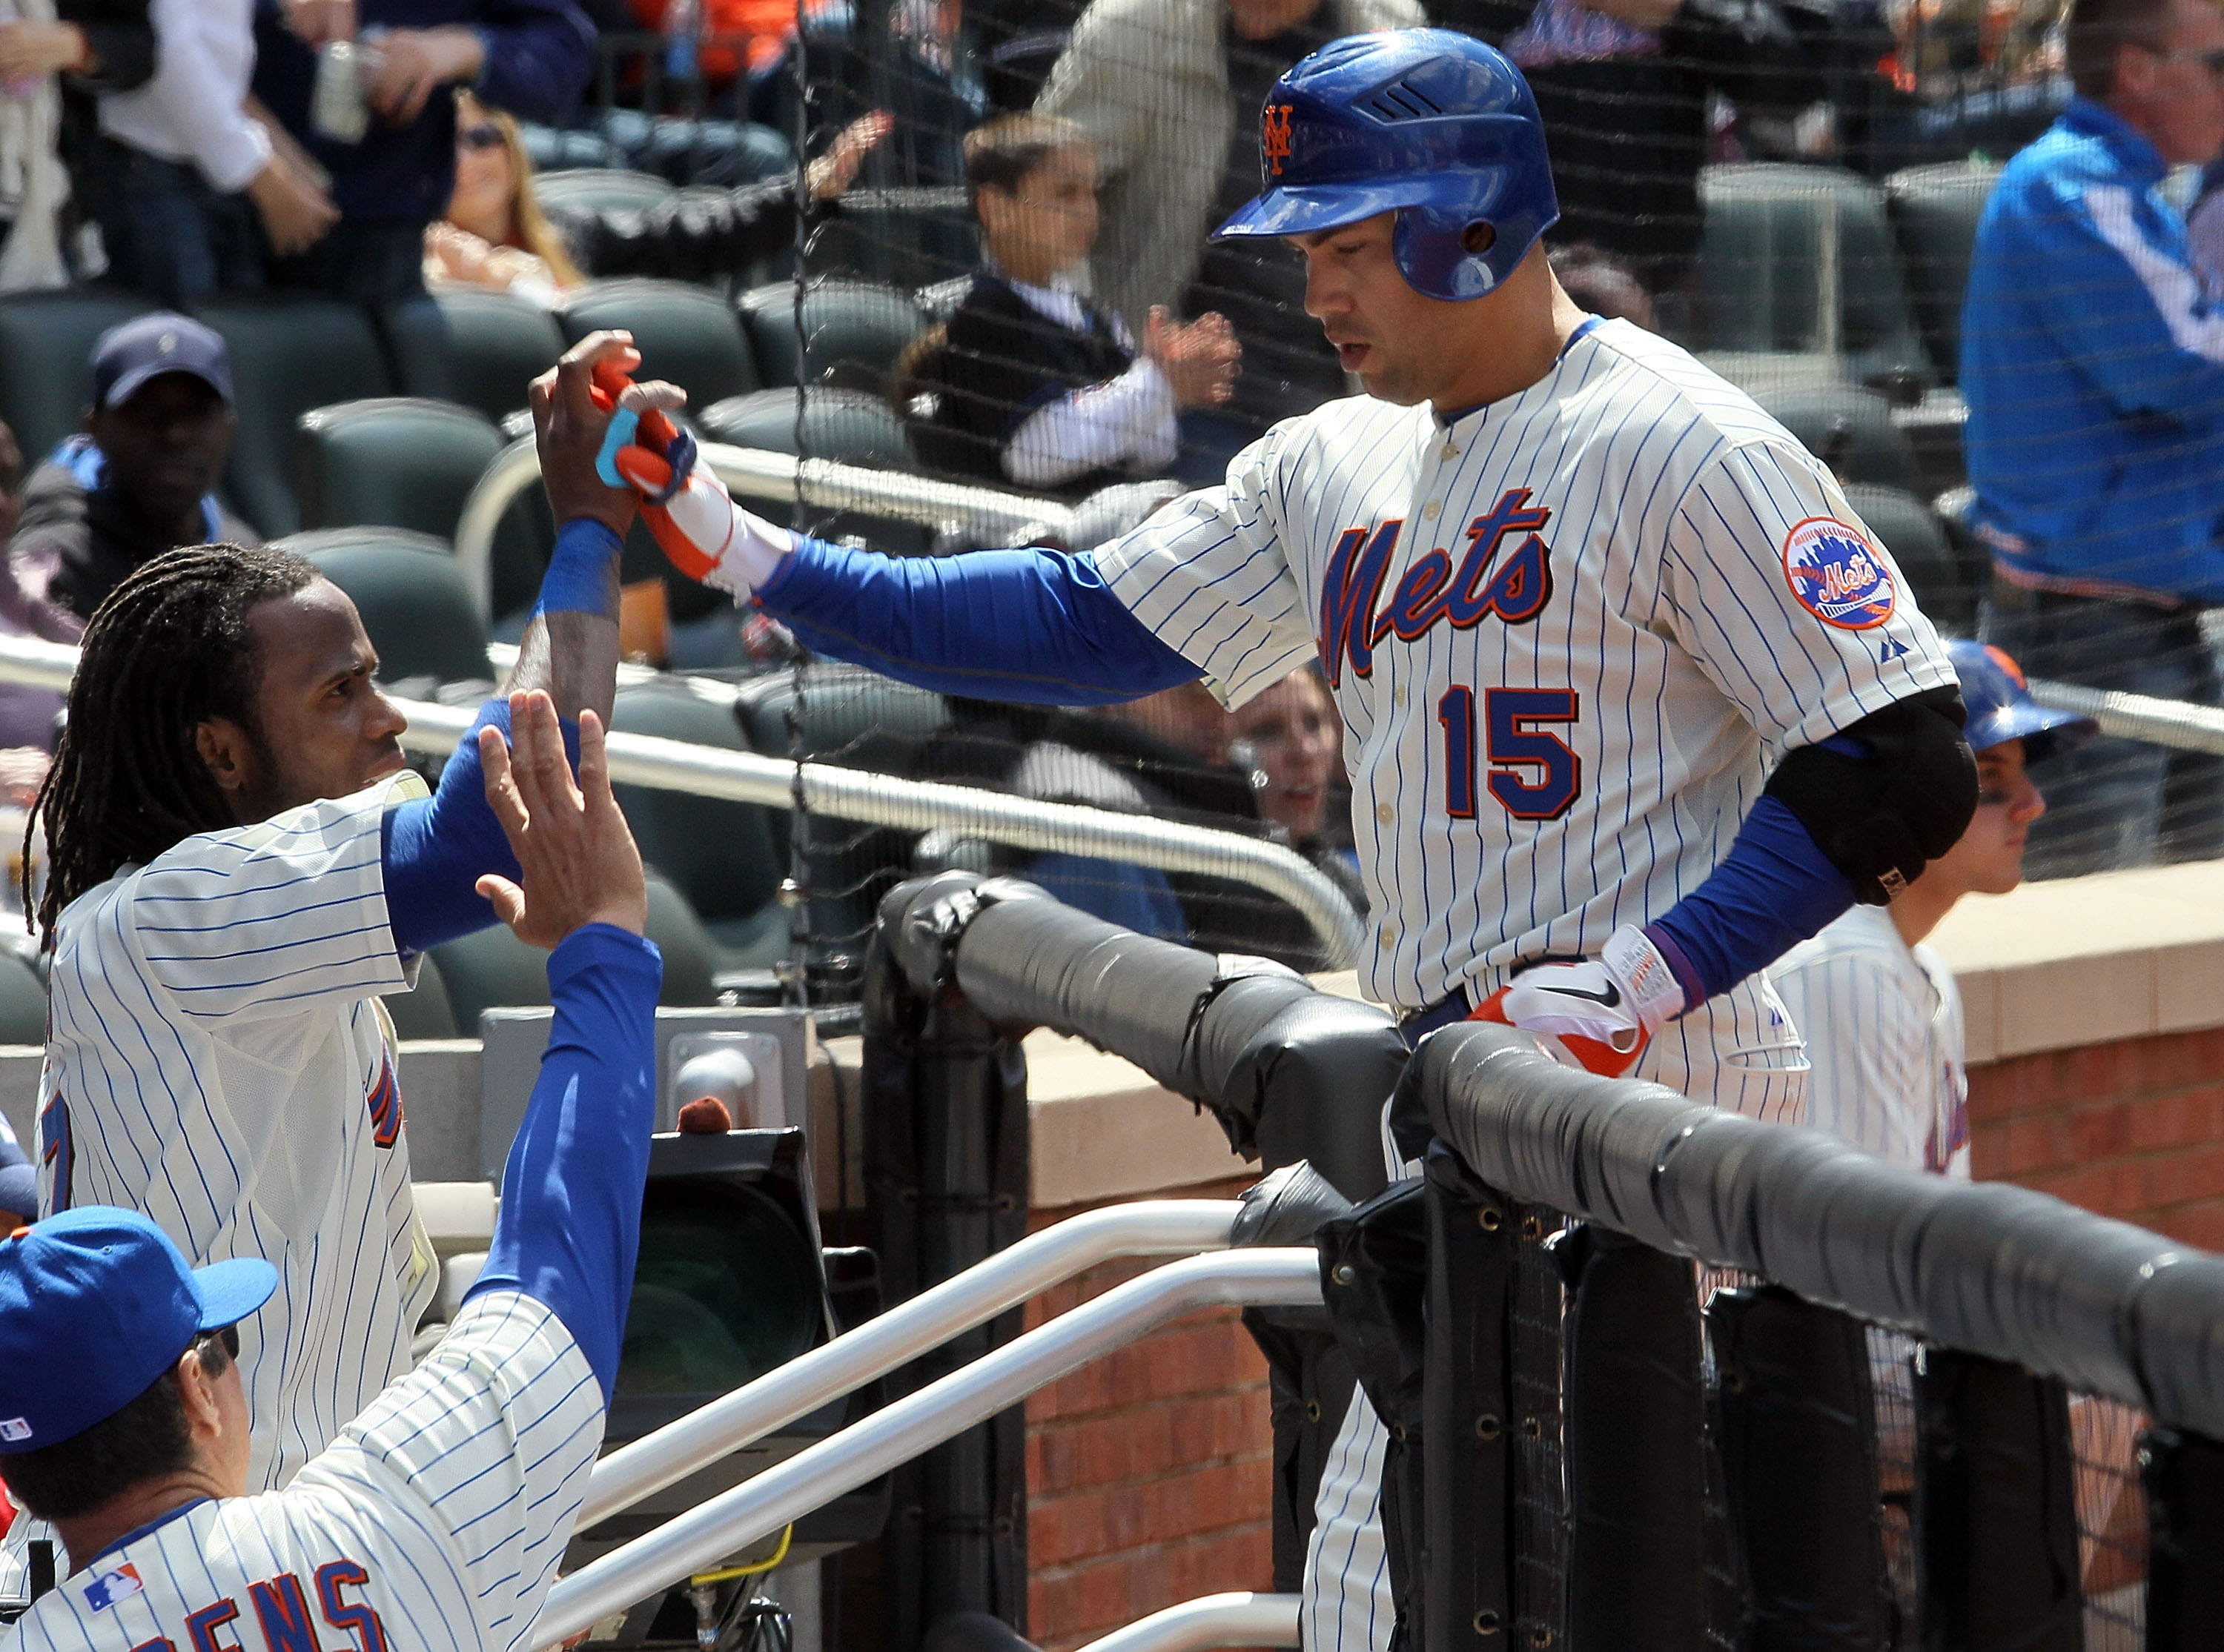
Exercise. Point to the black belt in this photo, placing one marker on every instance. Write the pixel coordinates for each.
(1442, 1013)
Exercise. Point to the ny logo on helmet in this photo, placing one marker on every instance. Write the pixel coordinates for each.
(1274, 135)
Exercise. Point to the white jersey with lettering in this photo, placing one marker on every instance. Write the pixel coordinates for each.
(434, 1520)
(1883, 1025)
(217, 1057)
(1569, 632)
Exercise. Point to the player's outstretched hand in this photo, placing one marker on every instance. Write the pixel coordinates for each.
(707, 536)
(1602, 1010)
(575, 857)
(573, 403)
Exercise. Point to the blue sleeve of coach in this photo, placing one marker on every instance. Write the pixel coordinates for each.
(1773, 889)
(1032, 625)
(569, 1227)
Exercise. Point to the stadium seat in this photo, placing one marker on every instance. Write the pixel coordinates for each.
(289, 354)
(726, 859)
(415, 605)
(686, 334)
(46, 361)
(1946, 586)
(1934, 214)
(22, 1003)
(1760, 281)
(492, 969)
(427, 1012)
(392, 462)
(559, 150)
(851, 332)
(690, 956)
(481, 349)
(600, 189)
(846, 424)
(1850, 429)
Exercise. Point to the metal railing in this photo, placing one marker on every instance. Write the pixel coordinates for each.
(758, 1507)
(882, 800)
(754, 473)
(1152, 1227)
(2138, 716)
(1207, 1621)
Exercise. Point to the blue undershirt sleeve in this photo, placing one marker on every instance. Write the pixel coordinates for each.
(569, 1227)
(1771, 891)
(436, 849)
(1031, 625)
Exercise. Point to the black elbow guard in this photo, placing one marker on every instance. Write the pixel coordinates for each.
(1881, 817)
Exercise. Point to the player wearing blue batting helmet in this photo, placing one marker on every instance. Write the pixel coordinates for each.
(1425, 122)
(2001, 709)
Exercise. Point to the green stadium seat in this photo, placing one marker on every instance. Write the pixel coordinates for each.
(552, 148)
(598, 189)
(481, 349)
(847, 424)
(22, 1003)
(726, 859)
(1850, 428)
(492, 969)
(850, 332)
(1760, 281)
(427, 1012)
(1934, 213)
(392, 462)
(686, 334)
(691, 957)
(289, 354)
(415, 608)
(46, 361)
(1946, 586)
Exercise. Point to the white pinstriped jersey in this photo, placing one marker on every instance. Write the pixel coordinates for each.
(435, 1520)
(1883, 1025)
(217, 1058)
(1568, 633)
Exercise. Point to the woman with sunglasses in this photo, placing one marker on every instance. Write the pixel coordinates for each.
(495, 234)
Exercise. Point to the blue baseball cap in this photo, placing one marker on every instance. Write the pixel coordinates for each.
(95, 1304)
(2001, 709)
(146, 347)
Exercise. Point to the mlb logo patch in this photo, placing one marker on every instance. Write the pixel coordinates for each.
(1837, 574)
(14, 1429)
(110, 1587)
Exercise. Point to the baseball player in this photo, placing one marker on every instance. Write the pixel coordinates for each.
(240, 866)
(1878, 1008)
(435, 1519)
(1632, 700)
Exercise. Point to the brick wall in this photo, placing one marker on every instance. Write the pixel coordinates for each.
(1148, 1472)
(2133, 1129)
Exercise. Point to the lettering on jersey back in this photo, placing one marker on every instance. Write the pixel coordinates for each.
(358, 1620)
(385, 1103)
(203, 1625)
(283, 1611)
(1432, 591)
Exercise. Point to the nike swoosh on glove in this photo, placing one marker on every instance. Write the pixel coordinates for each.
(705, 534)
(1603, 1010)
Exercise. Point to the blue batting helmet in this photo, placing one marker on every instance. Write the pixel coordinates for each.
(2001, 709)
(1428, 123)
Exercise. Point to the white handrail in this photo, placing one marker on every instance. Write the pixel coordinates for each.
(884, 800)
(1209, 1621)
(2138, 716)
(729, 1523)
(1151, 1228)
(754, 473)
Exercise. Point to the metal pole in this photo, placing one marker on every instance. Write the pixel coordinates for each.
(1153, 1228)
(2178, 723)
(881, 800)
(1207, 1621)
(758, 1507)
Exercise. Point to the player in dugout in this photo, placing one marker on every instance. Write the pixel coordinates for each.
(240, 867)
(1632, 702)
(436, 1518)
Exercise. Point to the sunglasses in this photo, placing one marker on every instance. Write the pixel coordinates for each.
(488, 136)
(229, 1337)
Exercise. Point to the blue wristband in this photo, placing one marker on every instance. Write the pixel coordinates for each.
(582, 576)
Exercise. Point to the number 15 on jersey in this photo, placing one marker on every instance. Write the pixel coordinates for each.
(1533, 773)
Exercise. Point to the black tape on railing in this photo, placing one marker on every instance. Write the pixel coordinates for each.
(1986, 1268)
(1290, 1073)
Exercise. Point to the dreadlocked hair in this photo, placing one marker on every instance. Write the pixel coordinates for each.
(168, 650)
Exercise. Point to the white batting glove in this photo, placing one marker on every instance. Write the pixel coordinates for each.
(707, 536)
(1604, 1009)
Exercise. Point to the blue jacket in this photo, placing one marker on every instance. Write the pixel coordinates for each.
(2093, 362)
(539, 55)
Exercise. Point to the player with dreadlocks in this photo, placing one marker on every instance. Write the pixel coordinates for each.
(240, 866)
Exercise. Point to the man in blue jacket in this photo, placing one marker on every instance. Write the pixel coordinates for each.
(531, 58)
(2093, 361)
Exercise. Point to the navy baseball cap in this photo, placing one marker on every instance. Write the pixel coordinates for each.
(146, 347)
(95, 1304)
(2001, 709)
